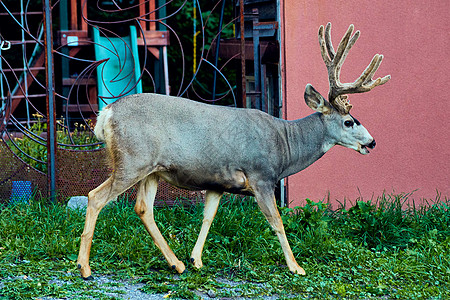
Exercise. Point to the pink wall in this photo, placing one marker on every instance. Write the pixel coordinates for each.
(408, 116)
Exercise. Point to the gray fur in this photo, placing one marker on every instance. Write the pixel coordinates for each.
(201, 146)
(221, 149)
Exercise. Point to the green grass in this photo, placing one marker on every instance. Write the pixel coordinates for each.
(372, 250)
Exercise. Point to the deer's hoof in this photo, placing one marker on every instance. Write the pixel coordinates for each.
(299, 271)
(179, 270)
(85, 271)
(177, 266)
(89, 278)
(197, 263)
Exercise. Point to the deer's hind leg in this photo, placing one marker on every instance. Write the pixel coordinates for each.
(144, 209)
(98, 198)
(212, 200)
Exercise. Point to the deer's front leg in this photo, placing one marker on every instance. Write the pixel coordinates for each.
(212, 200)
(267, 204)
(144, 209)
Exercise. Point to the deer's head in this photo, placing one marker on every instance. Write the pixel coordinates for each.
(342, 127)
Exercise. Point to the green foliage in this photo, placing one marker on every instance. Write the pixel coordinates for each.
(183, 24)
(377, 225)
(35, 149)
(384, 224)
(369, 251)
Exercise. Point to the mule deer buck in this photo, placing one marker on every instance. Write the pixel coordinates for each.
(222, 149)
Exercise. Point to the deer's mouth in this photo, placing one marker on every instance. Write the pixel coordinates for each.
(364, 149)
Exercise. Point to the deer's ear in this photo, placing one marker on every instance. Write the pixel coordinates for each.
(316, 101)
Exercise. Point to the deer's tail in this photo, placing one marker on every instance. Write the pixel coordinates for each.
(102, 120)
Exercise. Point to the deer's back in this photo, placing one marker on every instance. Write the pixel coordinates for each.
(184, 137)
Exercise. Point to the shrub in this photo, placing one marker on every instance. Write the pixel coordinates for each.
(32, 149)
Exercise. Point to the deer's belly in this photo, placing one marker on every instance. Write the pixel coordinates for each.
(233, 182)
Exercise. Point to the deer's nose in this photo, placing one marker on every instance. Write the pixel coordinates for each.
(372, 144)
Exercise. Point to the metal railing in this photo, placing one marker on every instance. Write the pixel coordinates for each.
(55, 77)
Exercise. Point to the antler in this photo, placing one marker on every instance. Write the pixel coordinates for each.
(334, 60)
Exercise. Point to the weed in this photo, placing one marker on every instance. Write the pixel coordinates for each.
(32, 148)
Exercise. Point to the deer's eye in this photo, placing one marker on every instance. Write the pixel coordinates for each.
(348, 123)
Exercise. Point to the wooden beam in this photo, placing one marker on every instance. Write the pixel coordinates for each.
(152, 15)
(80, 81)
(84, 25)
(19, 95)
(154, 51)
(73, 15)
(82, 38)
(154, 38)
(80, 107)
(142, 5)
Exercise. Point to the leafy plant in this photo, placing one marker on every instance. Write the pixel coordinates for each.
(377, 225)
(32, 148)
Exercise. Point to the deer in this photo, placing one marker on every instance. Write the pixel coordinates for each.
(199, 146)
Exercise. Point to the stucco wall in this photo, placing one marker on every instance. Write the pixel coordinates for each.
(408, 116)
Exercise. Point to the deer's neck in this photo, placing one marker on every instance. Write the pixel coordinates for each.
(307, 141)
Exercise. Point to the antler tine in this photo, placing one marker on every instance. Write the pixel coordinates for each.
(327, 49)
(366, 76)
(334, 61)
(329, 44)
(323, 46)
(365, 82)
(370, 70)
(349, 46)
(344, 46)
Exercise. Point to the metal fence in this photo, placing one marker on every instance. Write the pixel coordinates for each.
(62, 62)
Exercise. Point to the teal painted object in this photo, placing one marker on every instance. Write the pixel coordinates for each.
(119, 75)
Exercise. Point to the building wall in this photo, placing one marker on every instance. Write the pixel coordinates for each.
(408, 116)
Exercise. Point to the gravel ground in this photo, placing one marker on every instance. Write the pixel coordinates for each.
(132, 291)
(128, 290)
(125, 289)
